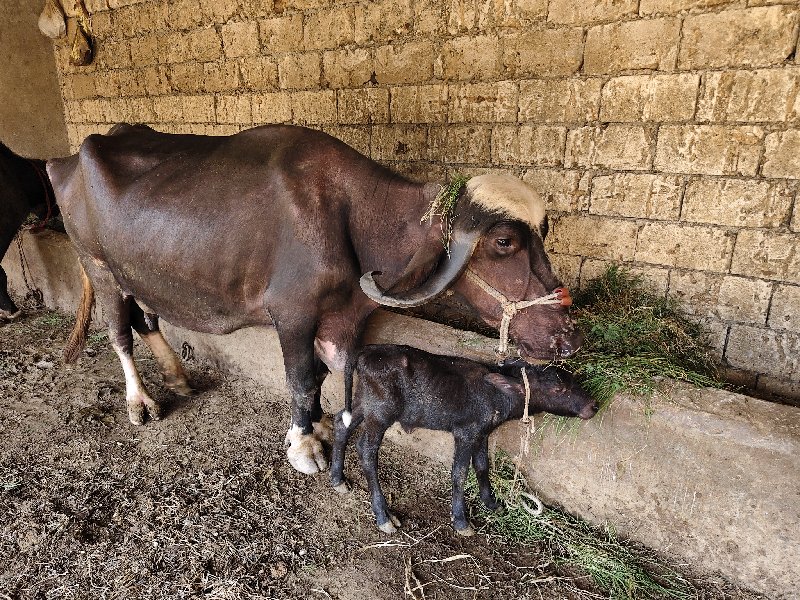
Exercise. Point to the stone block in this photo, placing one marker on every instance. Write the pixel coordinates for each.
(186, 78)
(399, 142)
(234, 109)
(536, 145)
(204, 44)
(331, 28)
(786, 391)
(259, 72)
(198, 109)
(419, 104)
(768, 255)
(354, 136)
(314, 108)
(347, 68)
(383, 21)
(130, 82)
(429, 18)
(737, 202)
(547, 52)
(660, 98)
(471, 58)
(240, 39)
(643, 44)
(637, 195)
(709, 149)
(685, 246)
(670, 7)
(763, 95)
(81, 85)
(183, 15)
(774, 352)
(218, 11)
(567, 269)
(281, 34)
(114, 55)
(561, 189)
(156, 80)
(284, 5)
(460, 144)
(570, 100)
(223, 76)
(483, 103)
(724, 297)
(145, 50)
(784, 313)
(271, 108)
(795, 224)
(782, 155)
(583, 235)
(299, 71)
(404, 63)
(363, 106)
(589, 12)
(752, 37)
(168, 108)
(616, 146)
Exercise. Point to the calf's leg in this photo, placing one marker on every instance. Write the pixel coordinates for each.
(8, 310)
(480, 462)
(368, 445)
(146, 325)
(461, 458)
(342, 434)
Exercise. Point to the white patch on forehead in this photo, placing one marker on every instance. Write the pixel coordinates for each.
(508, 196)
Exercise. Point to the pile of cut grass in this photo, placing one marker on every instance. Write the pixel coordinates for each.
(620, 570)
(635, 338)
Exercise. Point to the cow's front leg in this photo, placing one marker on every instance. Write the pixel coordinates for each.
(303, 449)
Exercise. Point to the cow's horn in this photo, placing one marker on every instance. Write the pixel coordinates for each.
(462, 245)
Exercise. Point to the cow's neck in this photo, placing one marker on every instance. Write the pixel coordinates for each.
(386, 227)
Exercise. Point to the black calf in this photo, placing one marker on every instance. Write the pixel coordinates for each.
(418, 389)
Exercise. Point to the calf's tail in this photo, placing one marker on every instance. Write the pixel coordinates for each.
(77, 339)
(349, 367)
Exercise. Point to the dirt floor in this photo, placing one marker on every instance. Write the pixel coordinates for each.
(204, 505)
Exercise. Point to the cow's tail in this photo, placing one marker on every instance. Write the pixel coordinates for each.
(77, 339)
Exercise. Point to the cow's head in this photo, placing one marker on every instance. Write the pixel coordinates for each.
(499, 225)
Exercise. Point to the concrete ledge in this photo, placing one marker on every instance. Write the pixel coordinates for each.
(710, 476)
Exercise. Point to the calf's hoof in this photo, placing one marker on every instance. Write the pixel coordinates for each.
(305, 452)
(465, 531)
(342, 488)
(391, 525)
(6, 315)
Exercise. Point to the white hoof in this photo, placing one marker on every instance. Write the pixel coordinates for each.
(393, 518)
(323, 430)
(342, 488)
(466, 532)
(305, 452)
(388, 527)
(139, 406)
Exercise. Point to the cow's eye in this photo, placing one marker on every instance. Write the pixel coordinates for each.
(504, 242)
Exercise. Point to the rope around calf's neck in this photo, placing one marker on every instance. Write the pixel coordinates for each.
(520, 498)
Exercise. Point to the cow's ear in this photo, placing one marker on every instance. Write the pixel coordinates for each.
(544, 228)
(507, 385)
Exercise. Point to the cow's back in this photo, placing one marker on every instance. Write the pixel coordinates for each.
(191, 225)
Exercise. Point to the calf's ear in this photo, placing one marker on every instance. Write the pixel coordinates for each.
(510, 387)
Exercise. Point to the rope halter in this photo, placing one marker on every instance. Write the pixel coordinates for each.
(510, 308)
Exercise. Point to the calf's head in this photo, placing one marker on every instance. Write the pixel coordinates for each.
(553, 390)
(496, 255)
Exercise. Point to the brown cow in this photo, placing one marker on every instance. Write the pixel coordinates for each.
(275, 226)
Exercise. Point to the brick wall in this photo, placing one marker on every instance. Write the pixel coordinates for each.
(664, 133)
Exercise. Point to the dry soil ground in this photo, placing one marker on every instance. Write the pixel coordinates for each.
(204, 505)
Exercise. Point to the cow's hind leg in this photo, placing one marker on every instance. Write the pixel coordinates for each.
(146, 325)
(117, 312)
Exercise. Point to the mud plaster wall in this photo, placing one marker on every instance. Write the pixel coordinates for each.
(665, 134)
(31, 116)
